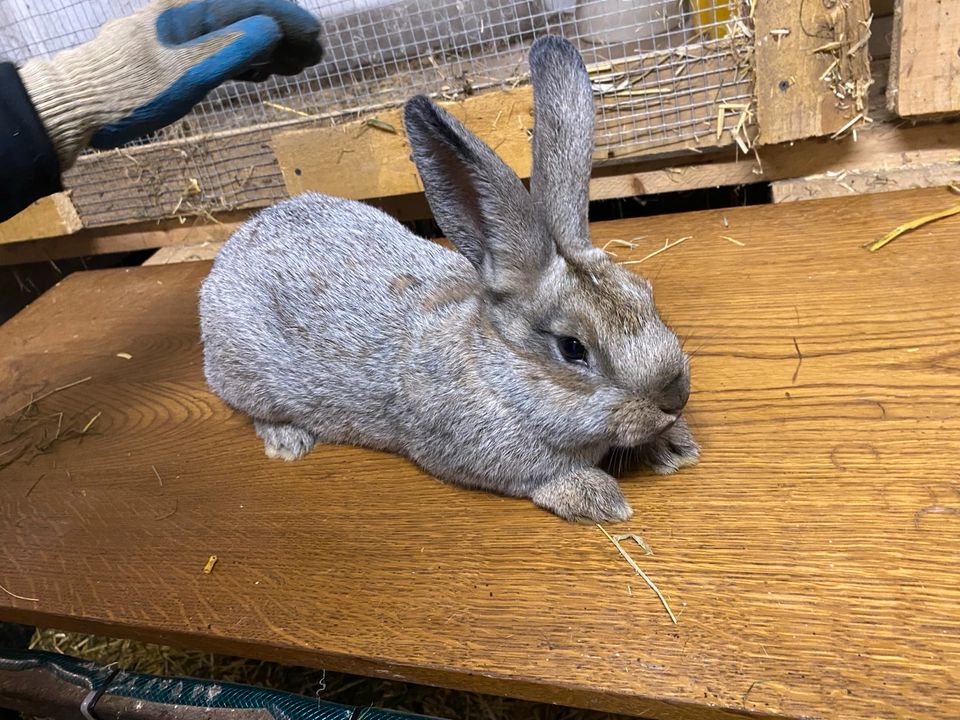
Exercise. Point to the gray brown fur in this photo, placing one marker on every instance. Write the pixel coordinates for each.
(327, 321)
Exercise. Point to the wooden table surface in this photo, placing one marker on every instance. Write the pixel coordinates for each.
(811, 558)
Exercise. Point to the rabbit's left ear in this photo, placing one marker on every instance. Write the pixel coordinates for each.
(477, 200)
(562, 141)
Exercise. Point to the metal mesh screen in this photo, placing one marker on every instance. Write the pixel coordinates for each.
(666, 73)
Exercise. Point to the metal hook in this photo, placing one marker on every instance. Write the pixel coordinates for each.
(90, 701)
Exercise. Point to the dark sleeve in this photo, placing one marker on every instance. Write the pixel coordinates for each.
(29, 167)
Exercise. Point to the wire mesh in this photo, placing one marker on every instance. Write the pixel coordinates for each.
(662, 71)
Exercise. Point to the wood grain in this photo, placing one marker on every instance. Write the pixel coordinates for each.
(811, 557)
(123, 238)
(359, 161)
(925, 58)
(184, 253)
(866, 180)
(50, 216)
(794, 101)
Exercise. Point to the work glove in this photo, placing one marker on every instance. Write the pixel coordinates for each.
(145, 71)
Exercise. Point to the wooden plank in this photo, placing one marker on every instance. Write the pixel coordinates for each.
(795, 84)
(236, 169)
(184, 253)
(925, 58)
(879, 148)
(846, 183)
(48, 217)
(358, 160)
(100, 241)
(204, 175)
(811, 557)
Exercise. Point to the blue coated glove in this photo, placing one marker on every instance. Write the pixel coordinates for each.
(147, 70)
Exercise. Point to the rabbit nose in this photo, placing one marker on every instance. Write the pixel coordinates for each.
(674, 395)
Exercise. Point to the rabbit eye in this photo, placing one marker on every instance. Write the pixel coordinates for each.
(572, 349)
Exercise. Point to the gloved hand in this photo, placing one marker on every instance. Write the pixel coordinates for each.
(144, 71)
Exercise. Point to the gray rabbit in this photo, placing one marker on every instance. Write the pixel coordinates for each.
(513, 366)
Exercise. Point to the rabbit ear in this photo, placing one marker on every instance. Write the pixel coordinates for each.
(476, 199)
(562, 140)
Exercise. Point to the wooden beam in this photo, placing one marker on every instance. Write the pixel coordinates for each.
(880, 148)
(925, 58)
(797, 85)
(51, 216)
(810, 557)
(370, 158)
(184, 253)
(101, 241)
(867, 180)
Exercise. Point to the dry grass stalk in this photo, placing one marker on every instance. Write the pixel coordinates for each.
(90, 422)
(19, 597)
(657, 252)
(636, 568)
(34, 401)
(911, 225)
(848, 125)
(284, 108)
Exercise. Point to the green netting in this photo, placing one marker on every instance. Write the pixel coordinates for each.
(187, 691)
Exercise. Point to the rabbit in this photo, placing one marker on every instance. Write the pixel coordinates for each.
(511, 366)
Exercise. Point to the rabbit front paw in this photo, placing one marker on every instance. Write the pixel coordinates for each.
(588, 493)
(672, 450)
(284, 441)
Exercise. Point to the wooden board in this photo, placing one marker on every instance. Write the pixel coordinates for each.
(879, 148)
(51, 216)
(925, 58)
(358, 160)
(845, 184)
(795, 99)
(811, 557)
(127, 238)
(884, 149)
(184, 253)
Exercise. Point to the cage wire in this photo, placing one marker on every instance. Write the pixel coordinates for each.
(665, 73)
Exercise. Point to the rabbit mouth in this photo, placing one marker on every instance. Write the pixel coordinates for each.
(637, 423)
(622, 461)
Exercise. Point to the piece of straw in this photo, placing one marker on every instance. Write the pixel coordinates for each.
(90, 422)
(19, 597)
(657, 252)
(35, 400)
(911, 225)
(641, 573)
